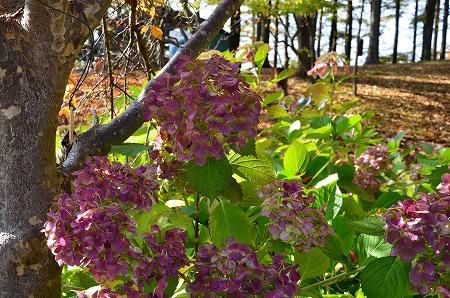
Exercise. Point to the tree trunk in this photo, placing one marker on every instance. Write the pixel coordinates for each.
(333, 30)
(375, 16)
(397, 20)
(436, 28)
(312, 24)
(263, 34)
(349, 29)
(428, 29)
(37, 53)
(235, 34)
(319, 34)
(444, 31)
(286, 43)
(263, 29)
(277, 20)
(304, 46)
(413, 59)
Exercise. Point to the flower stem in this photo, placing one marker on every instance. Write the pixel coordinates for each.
(333, 279)
(197, 219)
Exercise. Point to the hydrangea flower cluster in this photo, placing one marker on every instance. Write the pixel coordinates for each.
(102, 180)
(202, 108)
(293, 217)
(421, 230)
(92, 229)
(88, 227)
(369, 165)
(330, 63)
(167, 257)
(235, 271)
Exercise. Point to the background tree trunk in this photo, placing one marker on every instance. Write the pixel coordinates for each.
(375, 16)
(397, 20)
(349, 29)
(263, 34)
(305, 25)
(319, 33)
(276, 33)
(312, 24)
(286, 43)
(333, 30)
(263, 29)
(436, 28)
(416, 10)
(37, 53)
(235, 34)
(444, 31)
(428, 29)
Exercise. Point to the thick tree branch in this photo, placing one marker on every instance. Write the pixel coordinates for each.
(98, 139)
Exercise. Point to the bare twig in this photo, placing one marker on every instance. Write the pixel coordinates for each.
(108, 63)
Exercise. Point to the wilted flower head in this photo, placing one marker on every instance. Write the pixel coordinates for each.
(421, 229)
(293, 217)
(329, 63)
(235, 271)
(369, 165)
(202, 109)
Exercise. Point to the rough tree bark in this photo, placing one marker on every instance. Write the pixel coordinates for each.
(428, 29)
(38, 46)
(444, 31)
(349, 29)
(397, 20)
(375, 16)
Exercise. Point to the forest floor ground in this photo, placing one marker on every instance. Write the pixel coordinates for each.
(411, 97)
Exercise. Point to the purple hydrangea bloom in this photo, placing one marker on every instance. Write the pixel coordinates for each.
(97, 292)
(421, 230)
(422, 274)
(202, 108)
(444, 186)
(369, 165)
(293, 217)
(102, 180)
(235, 271)
(93, 238)
(167, 257)
(92, 229)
